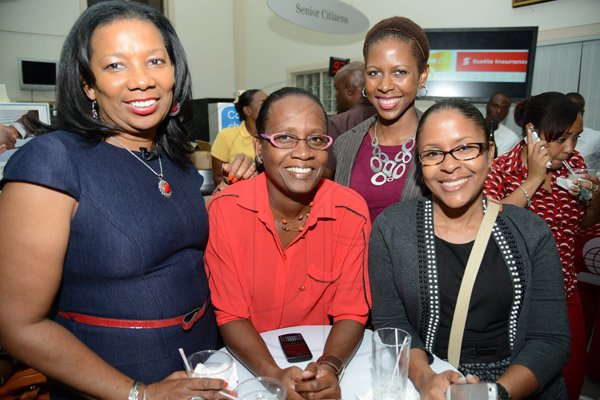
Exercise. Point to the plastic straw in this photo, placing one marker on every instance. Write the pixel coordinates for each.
(398, 356)
(185, 361)
(228, 396)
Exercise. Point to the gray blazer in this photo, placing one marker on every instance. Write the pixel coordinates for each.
(405, 291)
(346, 147)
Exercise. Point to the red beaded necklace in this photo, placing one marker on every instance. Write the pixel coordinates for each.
(300, 227)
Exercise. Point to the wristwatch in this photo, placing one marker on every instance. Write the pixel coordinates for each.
(334, 362)
(502, 392)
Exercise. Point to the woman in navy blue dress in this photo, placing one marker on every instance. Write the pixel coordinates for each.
(103, 222)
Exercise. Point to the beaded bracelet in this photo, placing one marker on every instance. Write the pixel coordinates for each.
(526, 196)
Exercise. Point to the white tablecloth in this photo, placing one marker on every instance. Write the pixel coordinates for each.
(356, 382)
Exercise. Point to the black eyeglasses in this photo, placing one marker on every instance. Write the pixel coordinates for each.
(464, 152)
(289, 141)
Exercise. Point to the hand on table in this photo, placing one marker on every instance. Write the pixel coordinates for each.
(319, 382)
(437, 385)
(179, 386)
(290, 377)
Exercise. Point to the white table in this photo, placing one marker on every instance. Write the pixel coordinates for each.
(356, 380)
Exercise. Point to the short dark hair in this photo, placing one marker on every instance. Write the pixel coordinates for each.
(498, 94)
(465, 108)
(74, 106)
(244, 100)
(551, 112)
(264, 114)
(403, 29)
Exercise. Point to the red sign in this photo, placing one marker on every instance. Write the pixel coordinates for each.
(491, 61)
(335, 64)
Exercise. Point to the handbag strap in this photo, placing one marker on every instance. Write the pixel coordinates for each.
(466, 287)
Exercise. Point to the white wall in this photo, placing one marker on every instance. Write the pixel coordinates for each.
(269, 46)
(38, 28)
(240, 44)
(34, 29)
(206, 30)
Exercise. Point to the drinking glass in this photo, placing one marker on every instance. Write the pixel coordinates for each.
(391, 355)
(211, 364)
(261, 388)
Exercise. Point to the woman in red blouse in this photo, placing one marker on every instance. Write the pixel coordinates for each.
(527, 176)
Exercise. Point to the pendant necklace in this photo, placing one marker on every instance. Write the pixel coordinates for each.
(386, 170)
(300, 227)
(163, 186)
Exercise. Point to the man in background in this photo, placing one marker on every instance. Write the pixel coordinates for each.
(352, 107)
(496, 111)
(588, 144)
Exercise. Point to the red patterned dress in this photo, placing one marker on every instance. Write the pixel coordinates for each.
(561, 211)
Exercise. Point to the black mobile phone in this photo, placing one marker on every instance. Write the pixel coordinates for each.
(294, 347)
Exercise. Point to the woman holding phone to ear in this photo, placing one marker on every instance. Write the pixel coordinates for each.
(527, 177)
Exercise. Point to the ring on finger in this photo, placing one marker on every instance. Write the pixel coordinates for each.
(542, 147)
(196, 398)
(548, 164)
(594, 188)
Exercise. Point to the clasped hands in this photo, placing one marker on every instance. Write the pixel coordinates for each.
(317, 381)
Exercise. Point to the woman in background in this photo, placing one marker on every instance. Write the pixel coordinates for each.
(527, 177)
(237, 139)
(376, 158)
(289, 248)
(516, 331)
(103, 223)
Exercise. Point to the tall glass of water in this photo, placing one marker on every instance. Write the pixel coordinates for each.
(391, 355)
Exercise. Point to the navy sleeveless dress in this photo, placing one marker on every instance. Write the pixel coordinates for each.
(132, 253)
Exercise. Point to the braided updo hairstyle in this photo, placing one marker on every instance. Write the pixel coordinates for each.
(403, 29)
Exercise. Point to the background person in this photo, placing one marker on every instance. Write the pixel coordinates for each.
(496, 111)
(521, 177)
(375, 158)
(101, 271)
(353, 107)
(588, 144)
(289, 248)
(516, 332)
(237, 139)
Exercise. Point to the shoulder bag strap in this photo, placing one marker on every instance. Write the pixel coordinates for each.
(466, 287)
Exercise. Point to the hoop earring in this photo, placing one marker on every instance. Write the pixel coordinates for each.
(94, 109)
(419, 93)
(175, 110)
(259, 160)
(364, 93)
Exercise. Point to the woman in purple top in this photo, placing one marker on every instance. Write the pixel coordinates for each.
(376, 158)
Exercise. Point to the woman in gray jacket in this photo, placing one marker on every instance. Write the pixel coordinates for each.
(376, 158)
(516, 332)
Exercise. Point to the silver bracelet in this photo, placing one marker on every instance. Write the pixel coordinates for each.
(134, 391)
(145, 396)
(526, 196)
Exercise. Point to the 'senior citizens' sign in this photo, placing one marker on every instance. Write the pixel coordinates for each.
(329, 16)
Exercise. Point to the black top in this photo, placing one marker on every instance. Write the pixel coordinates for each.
(485, 337)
